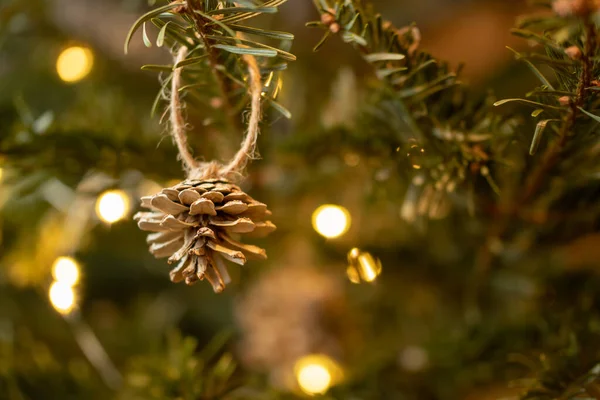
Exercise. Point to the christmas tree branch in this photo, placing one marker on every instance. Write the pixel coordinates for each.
(574, 92)
(209, 372)
(219, 77)
(453, 131)
(553, 154)
(210, 33)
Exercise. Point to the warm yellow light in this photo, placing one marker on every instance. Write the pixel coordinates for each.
(314, 379)
(316, 373)
(112, 206)
(370, 267)
(331, 221)
(66, 270)
(62, 297)
(74, 63)
(353, 274)
(362, 266)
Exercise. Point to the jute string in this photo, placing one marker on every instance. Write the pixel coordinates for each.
(194, 168)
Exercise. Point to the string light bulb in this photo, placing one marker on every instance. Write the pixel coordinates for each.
(112, 206)
(74, 63)
(316, 373)
(62, 297)
(66, 270)
(331, 221)
(362, 266)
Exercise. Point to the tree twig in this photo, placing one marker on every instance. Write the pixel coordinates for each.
(234, 124)
(538, 177)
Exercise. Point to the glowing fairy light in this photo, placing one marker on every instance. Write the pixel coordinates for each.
(370, 267)
(331, 221)
(314, 379)
(66, 270)
(62, 297)
(316, 373)
(362, 266)
(74, 63)
(353, 274)
(112, 206)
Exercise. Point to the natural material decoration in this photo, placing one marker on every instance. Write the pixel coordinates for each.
(194, 220)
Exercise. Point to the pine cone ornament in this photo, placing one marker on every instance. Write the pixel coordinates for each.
(194, 224)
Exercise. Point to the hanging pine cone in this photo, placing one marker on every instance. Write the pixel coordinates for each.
(193, 223)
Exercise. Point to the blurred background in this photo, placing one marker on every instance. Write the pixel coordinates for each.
(87, 312)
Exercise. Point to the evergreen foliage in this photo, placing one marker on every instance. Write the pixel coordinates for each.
(484, 212)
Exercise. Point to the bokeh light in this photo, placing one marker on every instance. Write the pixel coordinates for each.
(316, 373)
(66, 270)
(112, 206)
(353, 275)
(413, 358)
(74, 63)
(362, 266)
(331, 221)
(62, 297)
(370, 267)
(314, 378)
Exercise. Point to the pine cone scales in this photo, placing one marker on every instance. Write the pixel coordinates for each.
(193, 223)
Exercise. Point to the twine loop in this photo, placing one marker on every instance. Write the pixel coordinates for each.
(235, 168)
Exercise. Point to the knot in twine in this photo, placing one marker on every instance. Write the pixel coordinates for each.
(194, 168)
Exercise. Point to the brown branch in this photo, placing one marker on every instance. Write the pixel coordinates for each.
(552, 155)
(235, 168)
(538, 177)
(219, 77)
